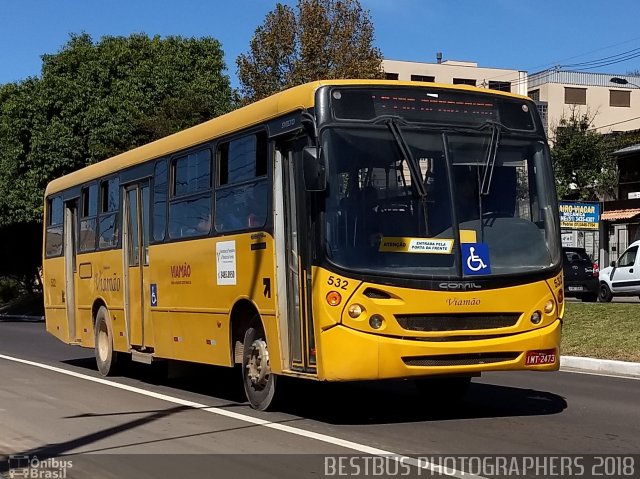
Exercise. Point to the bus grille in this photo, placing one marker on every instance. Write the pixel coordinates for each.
(459, 359)
(456, 322)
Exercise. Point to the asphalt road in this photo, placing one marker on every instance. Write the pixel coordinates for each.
(195, 423)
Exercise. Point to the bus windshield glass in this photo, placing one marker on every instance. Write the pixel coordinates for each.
(495, 186)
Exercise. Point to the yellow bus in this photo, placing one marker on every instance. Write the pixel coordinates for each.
(340, 230)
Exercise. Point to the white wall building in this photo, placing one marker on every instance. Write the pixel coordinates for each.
(458, 73)
(615, 104)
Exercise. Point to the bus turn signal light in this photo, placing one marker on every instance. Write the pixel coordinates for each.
(334, 298)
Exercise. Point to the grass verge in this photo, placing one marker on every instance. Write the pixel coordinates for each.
(602, 330)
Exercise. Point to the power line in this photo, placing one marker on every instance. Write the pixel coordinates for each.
(611, 124)
(611, 57)
(556, 65)
(587, 53)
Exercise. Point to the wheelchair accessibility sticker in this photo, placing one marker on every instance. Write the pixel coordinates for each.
(154, 295)
(475, 258)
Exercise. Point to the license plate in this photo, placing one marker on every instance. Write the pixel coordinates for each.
(575, 288)
(537, 358)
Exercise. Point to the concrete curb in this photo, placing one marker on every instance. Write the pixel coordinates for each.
(604, 366)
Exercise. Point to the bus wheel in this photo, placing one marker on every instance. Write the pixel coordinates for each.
(443, 389)
(605, 293)
(259, 382)
(106, 357)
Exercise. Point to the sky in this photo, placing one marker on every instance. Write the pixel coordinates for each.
(514, 34)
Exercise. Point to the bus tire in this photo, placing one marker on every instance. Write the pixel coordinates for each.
(445, 389)
(605, 293)
(106, 357)
(258, 380)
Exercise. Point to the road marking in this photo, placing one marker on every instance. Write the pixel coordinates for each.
(591, 373)
(423, 464)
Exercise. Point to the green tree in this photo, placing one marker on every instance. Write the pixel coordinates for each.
(320, 39)
(583, 168)
(97, 99)
(94, 100)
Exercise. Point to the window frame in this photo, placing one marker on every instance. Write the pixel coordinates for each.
(117, 213)
(626, 93)
(172, 198)
(81, 218)
(465, 81)
(49, 226)
(568, 89)
(152, 217)
(499, 85)
(423, 78)
(267, 177)
(635, 258)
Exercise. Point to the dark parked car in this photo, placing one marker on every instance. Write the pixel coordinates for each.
(580, 275)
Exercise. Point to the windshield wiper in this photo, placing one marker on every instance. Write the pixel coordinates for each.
(405, 151)
(496, 129)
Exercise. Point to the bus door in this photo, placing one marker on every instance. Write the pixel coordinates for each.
(293, 266)
(70, 266)
(136, 265)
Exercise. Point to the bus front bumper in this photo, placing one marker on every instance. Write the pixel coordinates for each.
(350, 355)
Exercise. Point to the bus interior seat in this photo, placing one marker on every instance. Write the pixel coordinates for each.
(502, 195)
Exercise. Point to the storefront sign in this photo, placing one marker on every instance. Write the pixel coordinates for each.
(579, 215)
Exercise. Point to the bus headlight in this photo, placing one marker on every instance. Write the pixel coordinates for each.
(376, 321)
(548, 307)
(355, 310)
(536, 317)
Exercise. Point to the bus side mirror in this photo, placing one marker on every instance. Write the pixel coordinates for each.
(314, 169)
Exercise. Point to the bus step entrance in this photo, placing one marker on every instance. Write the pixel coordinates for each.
(140, 357)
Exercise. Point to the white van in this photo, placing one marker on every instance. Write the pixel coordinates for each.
(622, 278)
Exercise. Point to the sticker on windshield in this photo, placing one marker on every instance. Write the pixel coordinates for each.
(416, 245)
(475, 258)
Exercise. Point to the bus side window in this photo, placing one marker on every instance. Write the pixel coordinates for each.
(242, 192)
(160, 200)
(55, 214)
(89, 209)
(109, 223)
(190, 204)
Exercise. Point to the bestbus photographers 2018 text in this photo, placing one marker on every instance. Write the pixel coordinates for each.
(512, 466)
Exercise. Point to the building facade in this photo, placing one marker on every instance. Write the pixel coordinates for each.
(621, 218)
(457, 73)
(612, 100)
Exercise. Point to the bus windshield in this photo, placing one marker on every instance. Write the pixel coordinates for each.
(477, 185)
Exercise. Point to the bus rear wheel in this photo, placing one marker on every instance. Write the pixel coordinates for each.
(106, 357)
(259, 382)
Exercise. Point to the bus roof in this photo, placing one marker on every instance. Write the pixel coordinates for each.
(293, 99)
